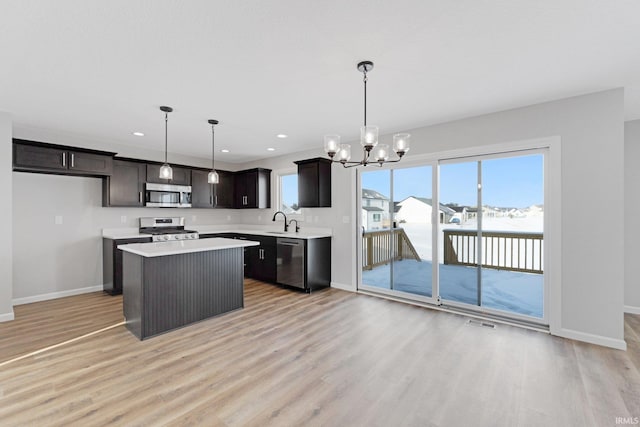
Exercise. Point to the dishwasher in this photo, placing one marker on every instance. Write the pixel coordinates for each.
(290, 262)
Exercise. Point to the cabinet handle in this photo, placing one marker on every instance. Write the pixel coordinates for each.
(211, 200)
(72, 160)
(215, 200)
(139, 196)
(64, 159)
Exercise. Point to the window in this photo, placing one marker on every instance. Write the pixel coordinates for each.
(376, 217)
(288, 193)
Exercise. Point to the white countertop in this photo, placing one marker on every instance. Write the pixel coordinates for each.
(155, 249)
(257, 230)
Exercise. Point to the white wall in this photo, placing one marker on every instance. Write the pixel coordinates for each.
(632, 216)
(6, 270)
(50, 258)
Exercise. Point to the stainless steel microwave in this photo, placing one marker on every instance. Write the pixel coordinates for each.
(167, 195)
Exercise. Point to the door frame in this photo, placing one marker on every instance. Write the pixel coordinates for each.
(552, 219)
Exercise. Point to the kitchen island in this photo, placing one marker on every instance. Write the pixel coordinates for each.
(168, 285)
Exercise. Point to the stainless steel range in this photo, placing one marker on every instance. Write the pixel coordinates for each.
(166, 229)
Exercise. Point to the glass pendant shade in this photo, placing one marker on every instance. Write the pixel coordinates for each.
(373, 153)
(369, 136)
(213, 177)
(166, 172)
(344, 153)
(401, 143)
(331, 144)
(381, 153)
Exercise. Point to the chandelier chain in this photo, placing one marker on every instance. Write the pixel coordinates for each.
(364, 79)
(166, 120)
(213, 149)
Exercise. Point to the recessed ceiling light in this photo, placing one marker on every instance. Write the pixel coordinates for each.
(281, 135)
(224, 150)
(271, 149)
(138, 133)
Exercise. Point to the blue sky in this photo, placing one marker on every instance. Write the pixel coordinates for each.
(507, 182)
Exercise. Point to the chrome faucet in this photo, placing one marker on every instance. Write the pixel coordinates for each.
(286, 226)
(297, 226)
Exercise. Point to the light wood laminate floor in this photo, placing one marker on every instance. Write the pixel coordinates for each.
(330, 358)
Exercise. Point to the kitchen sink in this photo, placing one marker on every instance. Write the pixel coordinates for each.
(276, 232)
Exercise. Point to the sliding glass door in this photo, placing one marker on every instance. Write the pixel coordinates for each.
(493, 244)
(478, 220)
(396, 210)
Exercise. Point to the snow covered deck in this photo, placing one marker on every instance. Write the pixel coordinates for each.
(510, 291)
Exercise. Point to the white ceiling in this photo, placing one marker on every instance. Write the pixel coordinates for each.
(100, 69)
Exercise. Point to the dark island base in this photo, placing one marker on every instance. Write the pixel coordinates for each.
(169, 292)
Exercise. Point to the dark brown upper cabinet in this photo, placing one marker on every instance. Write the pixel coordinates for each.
(252, 189)
(32, 156)
(314, 183)
(205, 195)
(125, 186)
(181, 176)
(224, 190)
(202, 193)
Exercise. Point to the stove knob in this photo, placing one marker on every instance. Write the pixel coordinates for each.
(177, 237)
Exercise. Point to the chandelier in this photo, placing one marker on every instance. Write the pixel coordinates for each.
(372, 152)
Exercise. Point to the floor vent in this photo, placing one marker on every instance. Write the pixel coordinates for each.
(475, 322)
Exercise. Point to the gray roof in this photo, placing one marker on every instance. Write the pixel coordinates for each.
(372, 194)
(372, 209)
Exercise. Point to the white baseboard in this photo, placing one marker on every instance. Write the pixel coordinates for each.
(592, 339)
(631, 309)
(54, 295)
(343, 287)
(7, 317)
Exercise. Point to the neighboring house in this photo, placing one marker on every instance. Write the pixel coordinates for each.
(516, 213)
(375, 210)
(460, 213)
(535, 211)
(491, 212)
(418, 210)
(372, 218)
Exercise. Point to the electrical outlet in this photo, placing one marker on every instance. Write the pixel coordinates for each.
(193, 218)
(123, 219)
(316, 218)
(259, 218)
(58, 219)
(228, 217)
(309, 218)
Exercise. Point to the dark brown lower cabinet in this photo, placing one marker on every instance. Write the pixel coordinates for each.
(112, 263)
(261, 263)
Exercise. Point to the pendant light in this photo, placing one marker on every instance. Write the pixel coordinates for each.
(213, 177)
(165, 170)
(372, 152)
